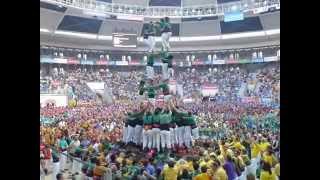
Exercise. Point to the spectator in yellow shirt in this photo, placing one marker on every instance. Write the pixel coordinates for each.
(218, 172)
(269, 157)
(204, 175)
(170, 173)
(266, 173)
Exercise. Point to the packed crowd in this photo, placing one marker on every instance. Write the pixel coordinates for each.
(233, 82)
(93, 134)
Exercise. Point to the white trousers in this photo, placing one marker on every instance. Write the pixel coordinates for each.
(173, 136)
(76, 166)
(195, 133)
(150, 72)
(63, 160)
(156, 138)
(171, 72)
(165, 139)
(165, 74)
(124, 134)
(180, 133)
(130, 134)
(55, 170)
(146, 138)
(150, 42)
(138, 134)
(165, 37)
(187, 136)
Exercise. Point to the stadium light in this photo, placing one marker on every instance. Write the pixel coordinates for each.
(81, 35)
(44, 30)
(272, 31)
(242, 35)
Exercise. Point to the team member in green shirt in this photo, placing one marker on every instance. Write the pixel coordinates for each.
(178, 117)
(138, 121)
(189, 121)
(165, 121)
(165, 28)
(156, 129)
(149, 68)
(165, 90)
(147, 130)
(166, 59)
(149, 36)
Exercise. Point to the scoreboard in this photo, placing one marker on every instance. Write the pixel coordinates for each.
(124, 40)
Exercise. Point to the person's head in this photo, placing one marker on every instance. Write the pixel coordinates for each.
(59, 176)
(204, 169)
(171, 164)
(195, 166)
(266, 166)
(215, 165)
(167, 19)
(185, 172)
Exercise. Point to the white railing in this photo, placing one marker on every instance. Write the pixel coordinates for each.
(172, 12)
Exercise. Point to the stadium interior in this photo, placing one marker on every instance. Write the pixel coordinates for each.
(160, 89)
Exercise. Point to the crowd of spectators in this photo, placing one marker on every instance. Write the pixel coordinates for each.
(233, 82)
(236, 138)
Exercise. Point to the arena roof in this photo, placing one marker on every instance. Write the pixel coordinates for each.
(63, 26)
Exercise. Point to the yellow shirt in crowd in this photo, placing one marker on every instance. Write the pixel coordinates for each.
(170, 174)
(264, 146)
(203, 176)
(255, 150)
(220, 174)
(264, 175)
(269, 159)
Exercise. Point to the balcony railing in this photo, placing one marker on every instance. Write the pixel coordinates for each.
(172, 12)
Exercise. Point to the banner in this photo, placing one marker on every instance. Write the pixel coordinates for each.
(198, 62)
(135, 63)
(231, 61)
(209, 90)
(218, 62)
(73, 61)
(250, 100)
(122, 63)
(208, 62)
(101, 62)
(60, 60)
(110, 63)
(244, 61)
(46, 60)
(87, 62)
(257, 60)
(270, 59)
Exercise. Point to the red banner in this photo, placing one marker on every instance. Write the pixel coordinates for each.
(231, 61)
(102, 62)
(134, 62)
(73, 61)
(198, 62)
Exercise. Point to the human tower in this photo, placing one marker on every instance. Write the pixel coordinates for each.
(164, 128)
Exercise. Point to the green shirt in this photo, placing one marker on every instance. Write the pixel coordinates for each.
(190, 120)
(156, 118)
(150, 60)
(165, 88)
(147, 119)
(151, 92)
(165, 118)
